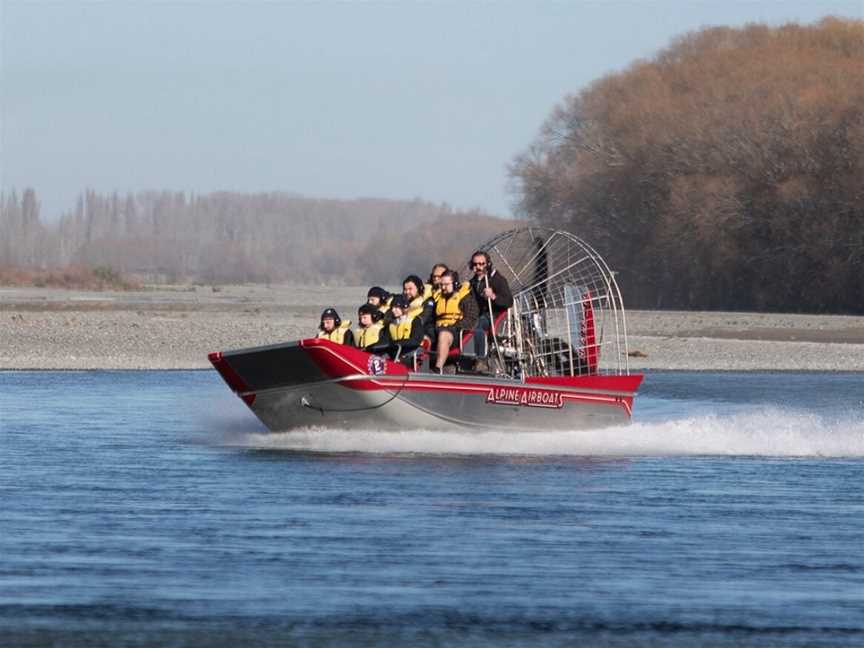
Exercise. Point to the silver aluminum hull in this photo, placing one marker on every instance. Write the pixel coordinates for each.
(315, 383)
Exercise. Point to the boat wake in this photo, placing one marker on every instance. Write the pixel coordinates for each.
(767, 432)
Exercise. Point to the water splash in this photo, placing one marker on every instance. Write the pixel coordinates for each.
(763, 432)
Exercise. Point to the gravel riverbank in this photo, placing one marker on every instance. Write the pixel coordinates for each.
(175, 327)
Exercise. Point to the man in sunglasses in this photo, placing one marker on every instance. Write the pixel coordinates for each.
(493, 296)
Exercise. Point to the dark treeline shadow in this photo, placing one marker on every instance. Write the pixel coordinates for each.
(725, 173)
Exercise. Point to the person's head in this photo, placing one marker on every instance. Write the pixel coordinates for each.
(329, 320)
(412, 287)
(480, 263)
(399, 305)
(365, 315)
(449, 282)
(435, 277)
(377, 296)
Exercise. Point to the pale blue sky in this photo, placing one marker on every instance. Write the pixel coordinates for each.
(343, 100)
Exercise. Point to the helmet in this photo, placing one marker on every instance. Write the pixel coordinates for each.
(368, 309)
(399, 301)
(379, 292)
(330, 312)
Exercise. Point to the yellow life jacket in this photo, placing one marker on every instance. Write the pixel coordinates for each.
(337, 335)
(385, 305)
(365, 337)
(447, 311)
(415, 307)
(401, 328)
(428, 291)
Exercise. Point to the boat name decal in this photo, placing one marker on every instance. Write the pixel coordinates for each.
(525, 397)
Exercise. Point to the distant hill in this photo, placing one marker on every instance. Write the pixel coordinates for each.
(227, 237)
(726, 172)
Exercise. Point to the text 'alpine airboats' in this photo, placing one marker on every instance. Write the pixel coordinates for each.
(557, 359)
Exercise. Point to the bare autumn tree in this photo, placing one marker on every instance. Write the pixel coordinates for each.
(22, 234)
(726, 172)
(233, 237)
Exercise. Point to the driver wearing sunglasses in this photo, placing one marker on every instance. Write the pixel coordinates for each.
(493, 296)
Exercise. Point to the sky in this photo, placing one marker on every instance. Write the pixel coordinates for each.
(398, 100)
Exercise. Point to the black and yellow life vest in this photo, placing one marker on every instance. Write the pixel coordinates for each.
(366, 337)
(447, 311)
(401, 328)
(429, 292)
(385, 305)
(415, 307)
(337, 335)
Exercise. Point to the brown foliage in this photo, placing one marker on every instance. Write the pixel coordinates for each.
(727, 172)
(72, 278)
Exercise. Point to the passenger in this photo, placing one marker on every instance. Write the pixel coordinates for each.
(492, 294)
(455, 311)
(418, 303)
(406, 331)
(372, 336)
(432, 289)
(379, 298)
(334, 329)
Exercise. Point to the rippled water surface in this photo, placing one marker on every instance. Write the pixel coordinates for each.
(150, 508)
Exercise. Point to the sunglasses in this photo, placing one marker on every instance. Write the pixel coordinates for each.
(478, 264)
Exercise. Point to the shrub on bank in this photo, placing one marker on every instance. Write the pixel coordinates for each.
(70, 278)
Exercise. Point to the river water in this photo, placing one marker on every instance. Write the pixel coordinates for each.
(150, 508)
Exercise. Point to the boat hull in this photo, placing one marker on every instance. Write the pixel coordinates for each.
(317, 383)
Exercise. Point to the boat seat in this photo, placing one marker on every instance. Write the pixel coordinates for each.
(466, 336)
(455, 352)
(421, 353)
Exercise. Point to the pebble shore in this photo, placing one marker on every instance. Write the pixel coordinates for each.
(176, 327)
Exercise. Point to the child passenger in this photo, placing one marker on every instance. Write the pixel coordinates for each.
(334, 329)
(379, 298)
(406, 330)
(372, 336)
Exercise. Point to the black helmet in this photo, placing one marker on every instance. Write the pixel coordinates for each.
(379, 292)
(330, 312)
(368, 309)
(399, 301)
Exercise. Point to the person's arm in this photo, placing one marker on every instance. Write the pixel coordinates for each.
(503, 296)
(349, 338)
(428, 318)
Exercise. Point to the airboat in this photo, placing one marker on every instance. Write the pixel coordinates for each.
(557, 359)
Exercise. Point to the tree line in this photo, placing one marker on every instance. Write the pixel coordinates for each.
(234, 237)
(726, 172)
